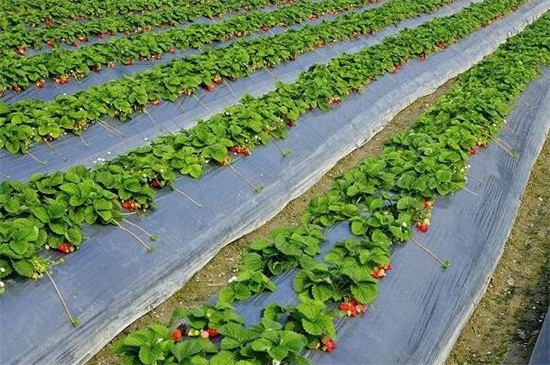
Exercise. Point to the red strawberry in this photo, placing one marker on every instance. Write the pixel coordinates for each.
(155, 184)
(65, 248)
(127, 204)
(422, 227)
(83, 38)
(177, 335)
(328, 344)
(75, 43)
(16, 88)
(205, 334)
(217, 79)
(291, 123)
(40, 84)
(99, 35)
(344, 306)
(48, 22)
(387, 267)
(212, 332)
(473, 150)
(209, 87)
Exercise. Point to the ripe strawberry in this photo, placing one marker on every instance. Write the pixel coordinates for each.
(40, 84)
(48, 22)
(212, 332)
(217, 79)
(75, 43)
(378, 273)
(440, 44)
(327, 344)
(387, 267)
(65, 248)
(209, 87)
(265, 28)
(22, 50)
(127, 204)
(155, 184)
(177, 335)
(422, 57)
(291, 123)
(422, 227)
(205, 334)
(154, 102)
(16, 88)
(344, 306)
(83, 38)
(473, 150)
(99, 35)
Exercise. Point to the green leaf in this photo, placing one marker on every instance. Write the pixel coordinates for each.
(150, 355)
(41, 213)
(23, 267)
(58, 227)
(358, 228)
(74, 236)
(186, 349)
(365, 292)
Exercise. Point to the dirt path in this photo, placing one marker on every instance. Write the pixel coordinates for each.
(503, 328)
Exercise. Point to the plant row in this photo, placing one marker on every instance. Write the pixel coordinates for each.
(50, 209)
(20, 73)
(381, 199)
(16, 41)
(43, 12)
(29, 121)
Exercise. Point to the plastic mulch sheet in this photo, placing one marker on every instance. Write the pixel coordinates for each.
(541, 352)
(112, 280)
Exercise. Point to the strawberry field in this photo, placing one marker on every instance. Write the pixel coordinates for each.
(139, 138)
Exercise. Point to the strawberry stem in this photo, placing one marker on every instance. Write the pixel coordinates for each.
(138, 227)
(230, 89)
(476, 178)
(61, 156)
(111, 129)
(203, 104)
(187, 196)
(499, 143)
(444, 263)
(283, 153)
(74, 320)
(465, 188)
(511, 130)
(36, 158)
(126, 230)
(84, 141)
(159, 127)
(257, 189)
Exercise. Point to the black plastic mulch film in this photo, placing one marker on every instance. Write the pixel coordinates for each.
(113, 281)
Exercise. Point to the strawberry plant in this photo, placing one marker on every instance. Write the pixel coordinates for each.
(434, 146)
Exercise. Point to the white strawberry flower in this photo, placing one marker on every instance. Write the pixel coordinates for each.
(2, 269)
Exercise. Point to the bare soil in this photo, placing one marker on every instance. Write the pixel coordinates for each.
(504, 327)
